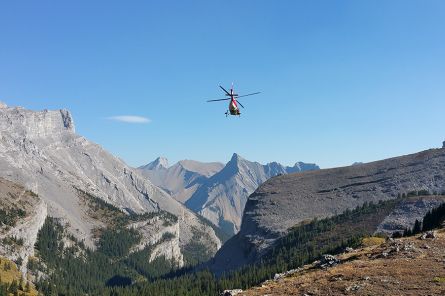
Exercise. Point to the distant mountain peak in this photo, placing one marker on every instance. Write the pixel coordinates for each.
(236, 158)
(160, 163)
(222, 197)
(302, 166)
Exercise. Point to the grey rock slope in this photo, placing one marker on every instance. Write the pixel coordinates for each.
(221, 199)
(182, 179)
(41, 151)
(23, 214)
(287, 200)
(407, 212)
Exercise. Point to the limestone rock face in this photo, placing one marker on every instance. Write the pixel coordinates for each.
(287, 200)
(164, 239)
(41, 151)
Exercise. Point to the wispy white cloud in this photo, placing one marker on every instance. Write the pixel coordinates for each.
(130, 119)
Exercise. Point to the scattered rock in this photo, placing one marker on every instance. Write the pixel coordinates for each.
(231, 292)
(354, 287)
(336, 278)
(349, 250)
(429, 234)
(278, 276)
(328, 261)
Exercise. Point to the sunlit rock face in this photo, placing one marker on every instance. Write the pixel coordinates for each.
(41, 151)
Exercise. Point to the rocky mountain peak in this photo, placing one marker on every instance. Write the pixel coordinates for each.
(235, 165)
(236, 158)
(35, 124)
(302, 166)
(443, 144)
(160, 163)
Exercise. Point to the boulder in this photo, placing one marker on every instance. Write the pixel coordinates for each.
(231, 292)
(428, 234)
(328, 261)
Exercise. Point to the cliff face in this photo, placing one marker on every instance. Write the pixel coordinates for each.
(35, 125)
(287, 200)
(155, 232)
(42, 151)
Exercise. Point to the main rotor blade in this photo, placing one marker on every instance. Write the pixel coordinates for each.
(225, 90)
(219, 100)
(240, 103)
(249, 94)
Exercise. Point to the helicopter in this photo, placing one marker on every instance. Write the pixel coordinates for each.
(233, 97)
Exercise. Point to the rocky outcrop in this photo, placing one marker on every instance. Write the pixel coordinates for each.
(287, 200)
(163, 237)
(42, 151)
(221, 198)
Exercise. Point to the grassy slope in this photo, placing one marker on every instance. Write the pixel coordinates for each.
(9, 273)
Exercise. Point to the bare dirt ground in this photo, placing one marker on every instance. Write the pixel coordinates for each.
(407, 266)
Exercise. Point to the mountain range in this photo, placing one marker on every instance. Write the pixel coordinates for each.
(286, 201)
(97, 223)
(68, 174)
(217, 192)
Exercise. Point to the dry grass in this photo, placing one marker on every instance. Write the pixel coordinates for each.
(9, 273)
(372, 241)
(417, 268)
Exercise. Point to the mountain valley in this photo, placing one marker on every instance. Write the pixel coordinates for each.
(76, 220)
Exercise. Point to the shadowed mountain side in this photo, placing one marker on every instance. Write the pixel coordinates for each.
(287, 200)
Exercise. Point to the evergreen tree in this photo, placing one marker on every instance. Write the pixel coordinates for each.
(417, 227)
(13, 288)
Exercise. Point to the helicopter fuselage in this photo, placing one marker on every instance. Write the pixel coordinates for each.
(233, 107)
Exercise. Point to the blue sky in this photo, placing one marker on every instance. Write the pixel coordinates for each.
(341, 81)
